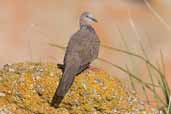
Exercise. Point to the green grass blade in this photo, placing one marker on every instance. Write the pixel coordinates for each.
(58, 46)
(145, 94)
(135, 55)
(165, 86)
(131, 80)
(130, 57)
(149, 71)
(169, 106)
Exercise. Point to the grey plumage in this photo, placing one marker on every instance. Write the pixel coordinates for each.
(82, 49)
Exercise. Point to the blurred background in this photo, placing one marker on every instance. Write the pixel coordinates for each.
(28, 26)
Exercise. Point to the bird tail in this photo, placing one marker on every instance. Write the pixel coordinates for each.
(70, 70)
(60, 91)
(65, 83)
(56, 101)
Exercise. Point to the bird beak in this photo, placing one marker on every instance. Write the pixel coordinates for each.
(93, 19)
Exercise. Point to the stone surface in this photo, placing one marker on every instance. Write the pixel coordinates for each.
(93, 92)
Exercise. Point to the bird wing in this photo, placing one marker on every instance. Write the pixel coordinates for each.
(85, 44)
(70, 71)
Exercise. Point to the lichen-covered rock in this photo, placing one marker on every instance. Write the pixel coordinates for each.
(28, 88)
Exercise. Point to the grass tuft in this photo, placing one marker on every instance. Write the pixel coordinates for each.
(162, 83)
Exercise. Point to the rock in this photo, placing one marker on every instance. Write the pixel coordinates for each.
(4, 111)
(2, 94)
(93, 92)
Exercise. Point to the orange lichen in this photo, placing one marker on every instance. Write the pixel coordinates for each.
(29, 88)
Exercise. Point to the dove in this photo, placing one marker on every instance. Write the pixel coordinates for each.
(82, 49)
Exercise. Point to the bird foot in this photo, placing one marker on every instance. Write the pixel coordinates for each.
(93, 68)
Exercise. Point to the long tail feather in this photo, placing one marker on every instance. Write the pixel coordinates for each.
(56, 101)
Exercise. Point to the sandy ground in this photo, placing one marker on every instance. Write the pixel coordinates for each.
(28, 26)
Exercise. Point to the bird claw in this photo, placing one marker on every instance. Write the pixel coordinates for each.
(93, 68)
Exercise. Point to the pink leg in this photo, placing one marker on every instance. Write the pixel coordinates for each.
(93, 68)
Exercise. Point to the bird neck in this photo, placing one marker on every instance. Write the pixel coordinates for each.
(86, 27)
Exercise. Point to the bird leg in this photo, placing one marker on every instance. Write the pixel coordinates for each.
(93, 68)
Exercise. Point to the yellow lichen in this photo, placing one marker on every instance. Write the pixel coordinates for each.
(29, 88)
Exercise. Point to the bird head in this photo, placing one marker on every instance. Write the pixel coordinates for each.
(87, 18)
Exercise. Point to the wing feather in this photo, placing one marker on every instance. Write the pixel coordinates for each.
(86, 44)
